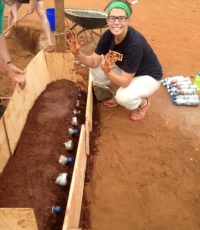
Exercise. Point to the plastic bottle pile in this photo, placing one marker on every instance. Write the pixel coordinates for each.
(182, 90)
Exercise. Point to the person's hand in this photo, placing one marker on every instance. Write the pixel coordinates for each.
(107, 63)
(14, 21)
(15, 69)
(72, 42)
(17, 76)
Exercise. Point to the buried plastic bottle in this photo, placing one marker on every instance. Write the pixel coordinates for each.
(62, 179)
(74, 121)
(73, 131)
(55, 209)
(77, 104)
(69, 145)
(63, 160)
(76, 112)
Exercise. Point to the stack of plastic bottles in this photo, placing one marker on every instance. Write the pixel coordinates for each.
(182, 90)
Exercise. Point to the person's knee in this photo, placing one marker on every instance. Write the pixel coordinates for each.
(122, 99)
(41, 13)
(128, 101)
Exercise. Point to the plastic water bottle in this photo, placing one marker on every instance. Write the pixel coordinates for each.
(173, 90)
(184, 92)
(197, 81)
(188, 102)
(187, 86)
(180, 79)
(76, 112)
(187, 91)
(192, 96)
(178, 83)
(167, 81)
(63, 160)
(73, 131)
(62, 179)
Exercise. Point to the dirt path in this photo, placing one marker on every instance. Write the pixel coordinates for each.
(146, 174)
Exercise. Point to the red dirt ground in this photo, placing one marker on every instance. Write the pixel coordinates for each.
(145, 175)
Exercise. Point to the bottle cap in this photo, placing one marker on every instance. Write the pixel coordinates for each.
(69, 159)
(55, 209)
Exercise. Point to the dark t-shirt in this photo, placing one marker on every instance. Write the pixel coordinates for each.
(134, 54)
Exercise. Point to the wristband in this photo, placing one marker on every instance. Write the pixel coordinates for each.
(9, 62)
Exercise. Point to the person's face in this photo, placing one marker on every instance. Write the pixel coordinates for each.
(117, 21)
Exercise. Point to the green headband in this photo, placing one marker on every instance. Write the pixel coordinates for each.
(119, 5)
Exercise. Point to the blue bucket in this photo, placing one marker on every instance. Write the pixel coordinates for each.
(50, 12)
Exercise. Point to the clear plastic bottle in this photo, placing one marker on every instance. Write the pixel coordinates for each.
(73, 131)
(187, 86)
(192, 96)
(188, 102)
(187, 91)
(64, 160)
(168, 80)
(178, 83)
(197, 81)
(180, 79)
(172, 90)
(183, 92)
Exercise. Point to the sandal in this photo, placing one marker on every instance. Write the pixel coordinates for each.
(139, 113)
(111, 103)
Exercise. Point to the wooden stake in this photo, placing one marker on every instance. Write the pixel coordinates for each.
(60, 26)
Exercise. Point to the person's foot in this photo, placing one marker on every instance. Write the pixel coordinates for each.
(139, 113)
(111, 103)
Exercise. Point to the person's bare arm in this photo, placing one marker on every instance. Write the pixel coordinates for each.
(8, 68)
(91, 61)
(13, 8)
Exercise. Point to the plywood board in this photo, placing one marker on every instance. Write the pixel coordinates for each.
(61, 66)
(21, 102)
(89, 106)
(73, 210)
(4, 147)
(17, 219)
(87, 137)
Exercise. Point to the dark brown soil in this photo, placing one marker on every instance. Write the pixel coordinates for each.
(29, 178)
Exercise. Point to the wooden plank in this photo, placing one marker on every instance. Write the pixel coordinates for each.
(75, 229)
(17, 219)
(87, 138)
(61, 66)
(22, 100)
(4, 146)
(73, 210)
(60, 26)
(89, 106)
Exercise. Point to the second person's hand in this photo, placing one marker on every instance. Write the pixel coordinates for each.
(73, 43)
